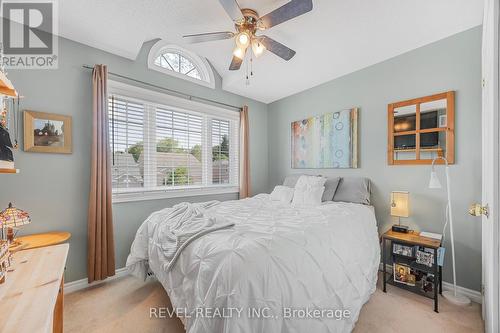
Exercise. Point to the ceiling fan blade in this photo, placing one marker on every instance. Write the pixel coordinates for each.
(286, 12)
(232, 9)
(277, 48)
(208, 37)
(235, 64)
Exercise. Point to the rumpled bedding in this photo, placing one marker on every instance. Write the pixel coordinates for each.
(271, 269)
(173, 229)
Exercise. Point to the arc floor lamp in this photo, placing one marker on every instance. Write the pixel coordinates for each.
(434, 183)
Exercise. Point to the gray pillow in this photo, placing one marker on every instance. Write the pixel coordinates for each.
(291, 180)
(353, 189)
(331, 185)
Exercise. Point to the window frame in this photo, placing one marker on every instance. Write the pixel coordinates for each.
(208, 112)
(201, 64)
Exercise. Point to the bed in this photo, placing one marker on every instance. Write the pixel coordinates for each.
(280, 268)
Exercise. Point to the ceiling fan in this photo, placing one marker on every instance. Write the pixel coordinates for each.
(247, 23)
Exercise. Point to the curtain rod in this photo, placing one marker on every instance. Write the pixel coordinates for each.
(189, 97)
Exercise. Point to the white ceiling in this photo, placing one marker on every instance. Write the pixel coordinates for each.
(336, 38)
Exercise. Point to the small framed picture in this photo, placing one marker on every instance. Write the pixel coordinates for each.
(425, 258)
(403, 250)
(47, 133)
(402, 274)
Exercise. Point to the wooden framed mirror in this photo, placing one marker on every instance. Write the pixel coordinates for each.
(422, 129)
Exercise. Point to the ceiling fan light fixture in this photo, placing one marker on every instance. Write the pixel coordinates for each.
(247, 22)
(242, 40)
(239, 52)
(258, 48)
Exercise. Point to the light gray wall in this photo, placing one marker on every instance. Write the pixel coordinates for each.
(450, 64)
(54, 188)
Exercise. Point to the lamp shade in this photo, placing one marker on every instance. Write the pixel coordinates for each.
(13, 217)
(434, 181)
(400, 204)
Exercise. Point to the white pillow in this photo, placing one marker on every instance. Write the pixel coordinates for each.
(309, 191)
(282, 193)
(310, 181)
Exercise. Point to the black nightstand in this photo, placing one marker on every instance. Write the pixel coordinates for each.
(402, 245)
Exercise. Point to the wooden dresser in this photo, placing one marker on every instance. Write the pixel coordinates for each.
(31, 299)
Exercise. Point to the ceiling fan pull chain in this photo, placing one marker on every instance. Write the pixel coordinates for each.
(247, 82)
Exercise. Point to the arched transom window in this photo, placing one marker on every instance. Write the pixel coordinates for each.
(178, 63)
(181, 63)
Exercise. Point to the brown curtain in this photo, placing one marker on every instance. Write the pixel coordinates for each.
(101, 248)
(244, 155)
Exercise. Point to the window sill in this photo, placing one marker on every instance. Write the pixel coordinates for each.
(130, 196)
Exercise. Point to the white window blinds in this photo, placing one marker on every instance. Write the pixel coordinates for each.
(126, 128)
(178, 148)
(220, 151)
(158, 147)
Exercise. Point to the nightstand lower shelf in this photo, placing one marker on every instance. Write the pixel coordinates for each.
(414, 289)
(433, 274)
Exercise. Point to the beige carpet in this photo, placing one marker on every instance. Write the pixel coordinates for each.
(122, 305)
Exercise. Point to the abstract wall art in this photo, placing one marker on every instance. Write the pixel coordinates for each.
(328, 141)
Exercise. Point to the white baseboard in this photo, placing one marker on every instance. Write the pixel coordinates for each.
(474, 295)
(73, 286)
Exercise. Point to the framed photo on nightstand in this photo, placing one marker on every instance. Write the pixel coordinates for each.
(403, 250)
(403, 274)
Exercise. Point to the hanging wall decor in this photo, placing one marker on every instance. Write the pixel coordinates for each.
(327, 141)
(9, 123)
(47, 133)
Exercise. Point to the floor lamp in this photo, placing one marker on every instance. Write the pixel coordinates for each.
(434, 183)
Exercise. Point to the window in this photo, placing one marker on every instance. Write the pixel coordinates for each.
(220, 151)
(178, 148)
(126, 131)
(164, 146)
(181, 63)
(178, 63)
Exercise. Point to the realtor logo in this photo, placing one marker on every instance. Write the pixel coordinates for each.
(29, 34)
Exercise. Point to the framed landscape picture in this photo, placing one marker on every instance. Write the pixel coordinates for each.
(47, 133)
(328, 141)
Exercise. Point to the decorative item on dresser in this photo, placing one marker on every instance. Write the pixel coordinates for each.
(31, 299)
(415, 263)
(12, 218)
(400, 207)
(434, 183)
(47, 133)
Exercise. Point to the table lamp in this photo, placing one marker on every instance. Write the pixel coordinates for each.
(12, 218)
(400, 207)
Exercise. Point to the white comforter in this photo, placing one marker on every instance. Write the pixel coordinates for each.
(279, 262)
